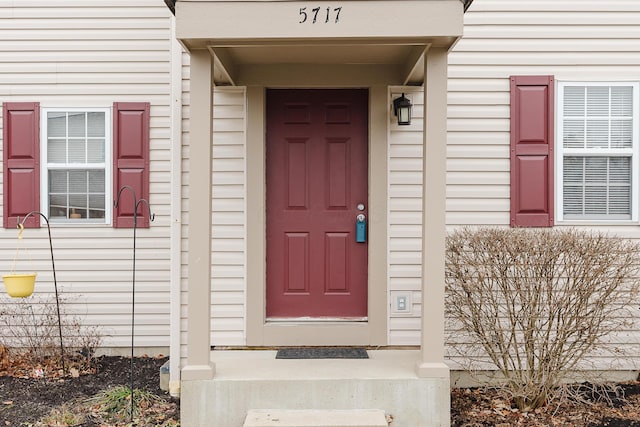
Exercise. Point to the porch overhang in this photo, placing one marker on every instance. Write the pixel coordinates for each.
(386, 39)
(275, 43)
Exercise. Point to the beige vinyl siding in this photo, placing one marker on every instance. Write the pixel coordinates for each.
(228, 219)
(228, 266)
(184, 193)
(405, 217)
(571, 40)
(84, 53)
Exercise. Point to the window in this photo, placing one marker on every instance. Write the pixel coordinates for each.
(59, 162)
(76, 165)
(597, 159)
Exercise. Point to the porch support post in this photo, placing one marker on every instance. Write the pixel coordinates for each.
(199, 365)
(433, 215)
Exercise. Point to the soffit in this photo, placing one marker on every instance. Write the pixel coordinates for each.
(392, 64)
(344, 53)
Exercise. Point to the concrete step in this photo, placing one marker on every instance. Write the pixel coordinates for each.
(315, 418)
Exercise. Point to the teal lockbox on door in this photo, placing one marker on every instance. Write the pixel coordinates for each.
(361, 229)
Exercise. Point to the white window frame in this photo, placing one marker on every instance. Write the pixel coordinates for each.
(107, 165)
(561, 152)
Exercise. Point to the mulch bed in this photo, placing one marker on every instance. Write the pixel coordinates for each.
(480, 407)
(23, 401)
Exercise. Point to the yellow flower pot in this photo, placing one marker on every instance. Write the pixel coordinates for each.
(19, 285)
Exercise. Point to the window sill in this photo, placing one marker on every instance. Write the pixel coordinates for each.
(78, 223)
(595, 222)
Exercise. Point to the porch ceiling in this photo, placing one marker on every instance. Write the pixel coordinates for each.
(399, 60)
(321, 54)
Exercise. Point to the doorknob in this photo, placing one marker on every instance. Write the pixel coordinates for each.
(361, 228)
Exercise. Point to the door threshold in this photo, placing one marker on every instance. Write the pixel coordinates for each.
(316, 319)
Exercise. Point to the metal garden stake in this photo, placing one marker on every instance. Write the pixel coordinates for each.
(55, 281)
(136, 204)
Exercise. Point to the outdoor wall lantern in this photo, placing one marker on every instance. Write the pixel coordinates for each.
(402, 110)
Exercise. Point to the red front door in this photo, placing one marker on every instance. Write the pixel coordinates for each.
(316, 185)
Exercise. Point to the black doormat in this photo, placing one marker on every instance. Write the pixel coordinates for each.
(322, 353)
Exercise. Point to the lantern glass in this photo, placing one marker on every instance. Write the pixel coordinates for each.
(402, 109)
(404, 115)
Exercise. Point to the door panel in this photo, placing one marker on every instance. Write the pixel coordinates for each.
(317, 158)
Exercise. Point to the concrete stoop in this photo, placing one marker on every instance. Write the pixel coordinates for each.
(335, 391)
(315, 418)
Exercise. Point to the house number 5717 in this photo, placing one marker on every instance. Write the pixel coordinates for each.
(318, 14)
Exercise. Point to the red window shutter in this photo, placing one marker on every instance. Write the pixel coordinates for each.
(532, 151)
(131, 161)
(21, 162)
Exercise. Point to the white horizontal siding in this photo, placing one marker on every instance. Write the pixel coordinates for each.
(65, 49)
(406, 330)
(572, 40)
(228, 267)
(184, 204)
(227, 262)
(81, 53)
(405, 218)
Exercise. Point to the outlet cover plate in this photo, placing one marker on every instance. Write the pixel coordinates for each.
(401, 302)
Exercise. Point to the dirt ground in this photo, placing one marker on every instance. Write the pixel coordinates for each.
(482, 407)
(25, 401)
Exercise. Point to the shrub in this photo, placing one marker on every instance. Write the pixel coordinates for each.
(534, 302)
(30, 337)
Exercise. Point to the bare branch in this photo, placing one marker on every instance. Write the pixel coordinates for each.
(533, 303)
